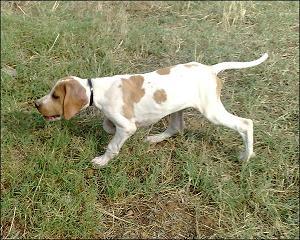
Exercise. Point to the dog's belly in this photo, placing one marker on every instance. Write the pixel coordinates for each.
(146, 122)
(147, 114)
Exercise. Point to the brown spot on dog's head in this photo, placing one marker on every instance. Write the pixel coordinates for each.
(66, 99)
(189, 65)
(219, 86)
(160, 96)
(164, 71)
(132, 93)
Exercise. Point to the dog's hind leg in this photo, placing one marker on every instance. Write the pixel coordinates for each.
(176, 124)
(217, 114)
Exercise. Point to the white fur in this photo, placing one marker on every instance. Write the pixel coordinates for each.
(184, 87)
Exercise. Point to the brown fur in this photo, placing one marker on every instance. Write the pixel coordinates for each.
(164, 71)
(219, 86)
(160, 96)
(132, 93)
(70, 98)
(75, 98)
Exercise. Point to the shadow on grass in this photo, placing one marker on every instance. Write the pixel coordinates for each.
(22, 123)
(89, 126)
(211, 140)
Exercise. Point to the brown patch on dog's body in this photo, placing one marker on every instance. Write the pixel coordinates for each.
(164, 71)
(160, 96)
(132, 93)
(219, 86)
(189, 65)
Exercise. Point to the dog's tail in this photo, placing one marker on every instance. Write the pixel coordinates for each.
(236, 65)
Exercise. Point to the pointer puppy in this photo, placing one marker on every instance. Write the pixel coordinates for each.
(133, 100)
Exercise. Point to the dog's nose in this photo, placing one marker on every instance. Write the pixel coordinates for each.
(36, 103)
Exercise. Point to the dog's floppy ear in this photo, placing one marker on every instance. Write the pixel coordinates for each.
(75, 98)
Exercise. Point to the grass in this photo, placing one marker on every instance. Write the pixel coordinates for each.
(190, 186)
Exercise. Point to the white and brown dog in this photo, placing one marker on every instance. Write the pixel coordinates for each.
(133, 100)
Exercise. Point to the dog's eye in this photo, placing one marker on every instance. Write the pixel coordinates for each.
(55, 96)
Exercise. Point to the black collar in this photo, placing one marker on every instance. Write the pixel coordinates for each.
(91, 89)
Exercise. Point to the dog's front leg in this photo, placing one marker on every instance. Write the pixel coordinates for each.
(113, 148)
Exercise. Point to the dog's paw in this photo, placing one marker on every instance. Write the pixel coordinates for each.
(244, 156)
(99, 162)
(148, 139)
(153, 139)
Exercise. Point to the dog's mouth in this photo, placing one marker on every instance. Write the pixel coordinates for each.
(52, 118)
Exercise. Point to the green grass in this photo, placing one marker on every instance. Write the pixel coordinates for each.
(189, 186)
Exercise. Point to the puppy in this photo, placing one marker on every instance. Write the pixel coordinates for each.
(133, 100)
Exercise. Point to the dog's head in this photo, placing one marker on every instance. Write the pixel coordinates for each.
(66, 99)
